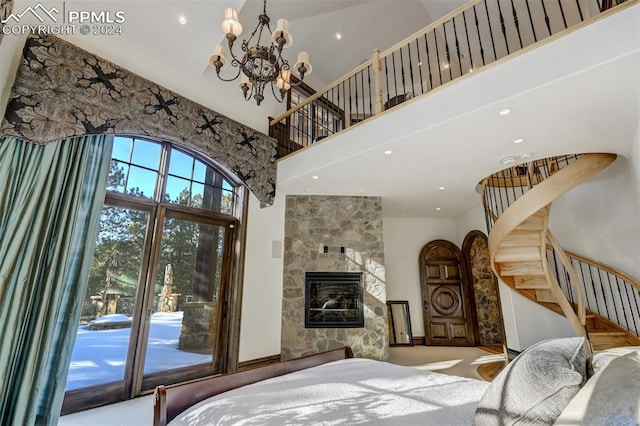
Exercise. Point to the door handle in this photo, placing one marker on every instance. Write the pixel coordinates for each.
(425, 305)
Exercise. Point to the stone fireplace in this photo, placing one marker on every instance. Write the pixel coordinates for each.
(334, 234)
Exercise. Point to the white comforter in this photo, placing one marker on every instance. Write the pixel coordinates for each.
(346, 392)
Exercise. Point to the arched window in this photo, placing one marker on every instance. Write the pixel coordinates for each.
(157, 306)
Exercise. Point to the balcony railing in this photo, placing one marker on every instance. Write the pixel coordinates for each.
(471, 37)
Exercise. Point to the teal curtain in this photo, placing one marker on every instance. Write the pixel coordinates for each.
(51, 197)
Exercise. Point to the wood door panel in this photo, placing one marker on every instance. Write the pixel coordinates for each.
(445, 295)
(438, 330)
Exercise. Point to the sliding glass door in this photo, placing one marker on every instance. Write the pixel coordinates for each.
(155, 309)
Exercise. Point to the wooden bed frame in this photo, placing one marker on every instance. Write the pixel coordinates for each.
(169, 401)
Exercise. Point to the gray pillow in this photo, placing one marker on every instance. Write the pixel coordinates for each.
(536, 386)
(610, 397)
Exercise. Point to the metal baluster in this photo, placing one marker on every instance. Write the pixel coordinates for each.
(413, 85)
(624, 311)
(447, 51)
(564, 19)
(426, 44)
(626, 290)
(404, 86)
(580, 10)
(615, 308)
(475, 14)
(420, 65)
(546, 18)
(386, 71)
(604, 295)
(516, 22)
(493, 44)
(395, 77)
(371, 112)
(636, 294)
(593, 287)
(466, 31)
(455, 32)
(355, 84)
(503, 27)
(533, 27)
(435, 36)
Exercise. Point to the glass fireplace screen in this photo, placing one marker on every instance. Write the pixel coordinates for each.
(334, 300)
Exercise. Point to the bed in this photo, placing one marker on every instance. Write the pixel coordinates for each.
(334, 388)
(328, 388)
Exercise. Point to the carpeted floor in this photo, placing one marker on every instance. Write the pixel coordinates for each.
(458, 361)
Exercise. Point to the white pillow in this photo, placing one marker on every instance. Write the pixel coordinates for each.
(599, 360)
(610, 397)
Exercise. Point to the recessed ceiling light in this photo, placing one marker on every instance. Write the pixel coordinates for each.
(525, 155)
(338, 36)
(387, 152)
(470, 69)
(505, 111)
(182, 19)
(314, 177)
(445, 65)
(441, 188)
(518, 141)
(508, 160)
(438, 208)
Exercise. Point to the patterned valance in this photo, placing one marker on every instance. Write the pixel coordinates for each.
(63, 91)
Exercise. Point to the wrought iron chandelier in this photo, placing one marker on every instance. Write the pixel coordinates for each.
(260, 64)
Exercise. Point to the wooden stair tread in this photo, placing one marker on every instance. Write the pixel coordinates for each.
(532, 223)
(517, 254)
(522, 237)
(521, 268)
(530, 282)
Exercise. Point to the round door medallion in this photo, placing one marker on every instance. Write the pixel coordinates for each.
(445, 301)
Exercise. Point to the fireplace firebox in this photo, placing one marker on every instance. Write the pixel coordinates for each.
(334, 300)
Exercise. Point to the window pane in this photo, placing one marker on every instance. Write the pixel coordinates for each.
(197, 195)
(226, 206)
(181, 164)
(100, 350)
(178, 191)
(117, 176)
(141, 182)
(200, 172)
(146, 154)
(122, 148)
(183, 324)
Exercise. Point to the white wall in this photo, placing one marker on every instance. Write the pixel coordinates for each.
(10, 52)
(260, 324)
(403, 240)
(600, 218)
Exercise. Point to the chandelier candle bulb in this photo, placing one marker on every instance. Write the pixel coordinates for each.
(282, 30)
(302, 65)
(231, 24)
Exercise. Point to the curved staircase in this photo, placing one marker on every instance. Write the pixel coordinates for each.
(526, 256)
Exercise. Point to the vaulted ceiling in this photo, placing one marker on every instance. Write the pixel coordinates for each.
(580, 93)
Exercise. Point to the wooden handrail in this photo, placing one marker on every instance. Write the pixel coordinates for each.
(431, 27)
(573, 277)
(324, 90)
(606, 268)
(545, 192)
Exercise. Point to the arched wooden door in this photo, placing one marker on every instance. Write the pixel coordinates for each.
(477, 264)
(446, 306)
